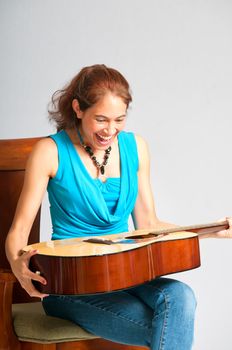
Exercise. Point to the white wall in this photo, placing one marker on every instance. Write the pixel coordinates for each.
(177, 56)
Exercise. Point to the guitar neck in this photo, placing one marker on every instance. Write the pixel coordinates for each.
(199, 229)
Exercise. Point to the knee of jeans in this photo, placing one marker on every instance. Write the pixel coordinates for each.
(183, 294)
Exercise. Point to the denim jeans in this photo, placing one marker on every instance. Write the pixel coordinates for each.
(158, 314)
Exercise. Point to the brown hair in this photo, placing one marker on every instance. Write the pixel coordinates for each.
(88, 86)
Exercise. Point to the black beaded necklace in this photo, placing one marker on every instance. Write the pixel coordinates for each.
(89, 150)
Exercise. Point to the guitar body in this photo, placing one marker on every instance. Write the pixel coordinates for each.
(109, 263)
(101, 268)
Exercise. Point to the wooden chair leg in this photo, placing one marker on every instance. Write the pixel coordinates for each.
(8, 339)
(34, 346)
(96, 344)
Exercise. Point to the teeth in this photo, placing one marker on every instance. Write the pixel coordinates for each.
(106, 138)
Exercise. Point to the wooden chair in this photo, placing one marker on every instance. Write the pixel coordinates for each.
(23, 323)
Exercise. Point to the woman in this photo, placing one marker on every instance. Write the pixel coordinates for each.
(97, 175)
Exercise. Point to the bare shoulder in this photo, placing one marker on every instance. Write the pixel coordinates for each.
(45, 156)
(143, 152)
(142, 146)
(45, 144)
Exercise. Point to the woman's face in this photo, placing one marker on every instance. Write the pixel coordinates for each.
(101, 123)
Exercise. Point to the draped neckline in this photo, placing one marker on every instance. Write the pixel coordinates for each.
(81, 204)
(94, 179)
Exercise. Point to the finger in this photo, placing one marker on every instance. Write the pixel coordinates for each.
(224, 234)
(229, 219)
(222, 219)
(33, 292)
(35, 276)
(29, 253)
(36, 294)
(26, 256)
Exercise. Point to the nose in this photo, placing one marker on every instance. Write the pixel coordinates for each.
(110, 129)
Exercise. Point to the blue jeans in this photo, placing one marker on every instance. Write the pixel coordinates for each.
(158, 314)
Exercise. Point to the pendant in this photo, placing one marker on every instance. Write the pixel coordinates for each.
(102, 170)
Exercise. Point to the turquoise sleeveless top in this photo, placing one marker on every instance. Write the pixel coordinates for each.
(81, 205)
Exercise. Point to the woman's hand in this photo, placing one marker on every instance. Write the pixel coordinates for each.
(20, 268)
(224, 233)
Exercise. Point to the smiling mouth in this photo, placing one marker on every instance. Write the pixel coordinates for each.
(104, 139)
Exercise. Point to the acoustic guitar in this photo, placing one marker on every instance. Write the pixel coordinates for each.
(98, 264)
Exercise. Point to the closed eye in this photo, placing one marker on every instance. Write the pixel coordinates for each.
(103, 119)
(100, 120)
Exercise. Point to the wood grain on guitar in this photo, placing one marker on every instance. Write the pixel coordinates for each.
(98, 264)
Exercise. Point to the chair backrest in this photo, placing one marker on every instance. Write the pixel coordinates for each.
(13, 158)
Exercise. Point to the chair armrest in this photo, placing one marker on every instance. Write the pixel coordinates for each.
(7, 276)
(8, 339)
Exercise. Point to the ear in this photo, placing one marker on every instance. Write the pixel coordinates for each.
(76, 108)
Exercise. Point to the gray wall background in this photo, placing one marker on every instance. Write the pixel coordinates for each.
(177, 57)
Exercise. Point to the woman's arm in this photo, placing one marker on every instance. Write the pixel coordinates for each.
(41, 164)
(144, 214)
